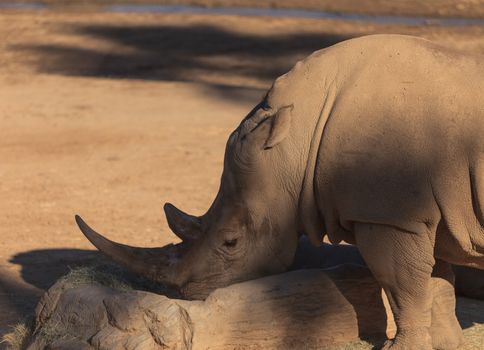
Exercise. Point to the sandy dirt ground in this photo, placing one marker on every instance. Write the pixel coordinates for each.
(111, 115)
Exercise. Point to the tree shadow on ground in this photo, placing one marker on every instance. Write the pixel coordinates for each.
(194, 53)
(42, 268)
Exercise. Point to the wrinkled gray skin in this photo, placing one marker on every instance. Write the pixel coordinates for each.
(377, 141)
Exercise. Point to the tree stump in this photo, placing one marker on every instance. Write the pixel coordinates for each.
(303, 309)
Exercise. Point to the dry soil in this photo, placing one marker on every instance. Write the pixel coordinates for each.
(110, 115)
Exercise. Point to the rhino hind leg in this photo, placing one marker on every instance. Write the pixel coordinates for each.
(445, 330)
(402, 263)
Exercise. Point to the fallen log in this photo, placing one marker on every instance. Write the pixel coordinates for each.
(304, 309)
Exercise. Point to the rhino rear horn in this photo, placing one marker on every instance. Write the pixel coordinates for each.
(186, 227)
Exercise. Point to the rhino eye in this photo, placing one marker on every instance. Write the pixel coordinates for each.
(230, 243)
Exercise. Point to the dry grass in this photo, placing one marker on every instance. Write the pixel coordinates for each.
(53, 330)
(112, 276)
(358, 345)
(474, 337)
(19, 337)
(105, 275)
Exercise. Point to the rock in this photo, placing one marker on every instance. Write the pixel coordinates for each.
(304, 309)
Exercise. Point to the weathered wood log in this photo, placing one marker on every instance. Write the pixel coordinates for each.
(303, 309)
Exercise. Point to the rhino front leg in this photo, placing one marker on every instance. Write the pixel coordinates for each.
(445, 330)
(402, 263)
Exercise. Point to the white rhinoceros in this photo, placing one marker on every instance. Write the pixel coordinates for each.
(377, 141)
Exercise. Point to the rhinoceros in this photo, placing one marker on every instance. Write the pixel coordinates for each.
(377, 141)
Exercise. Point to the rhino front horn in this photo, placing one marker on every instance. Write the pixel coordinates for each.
(155, 264)
(186, 227)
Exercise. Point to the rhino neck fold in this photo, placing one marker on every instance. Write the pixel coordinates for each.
(310, 220)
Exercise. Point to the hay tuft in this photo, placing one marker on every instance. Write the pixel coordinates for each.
(105, 275)
(358, 345)
(114, 277)
(20, 336)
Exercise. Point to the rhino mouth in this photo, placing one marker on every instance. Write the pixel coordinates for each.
(157, 264)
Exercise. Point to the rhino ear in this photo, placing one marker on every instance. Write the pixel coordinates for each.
(186, 227)
(280, 125)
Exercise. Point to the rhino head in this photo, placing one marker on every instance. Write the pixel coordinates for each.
(249, 231)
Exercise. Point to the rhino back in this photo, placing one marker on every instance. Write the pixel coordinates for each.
(402, 144)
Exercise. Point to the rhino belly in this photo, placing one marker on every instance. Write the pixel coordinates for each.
(460, 234)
